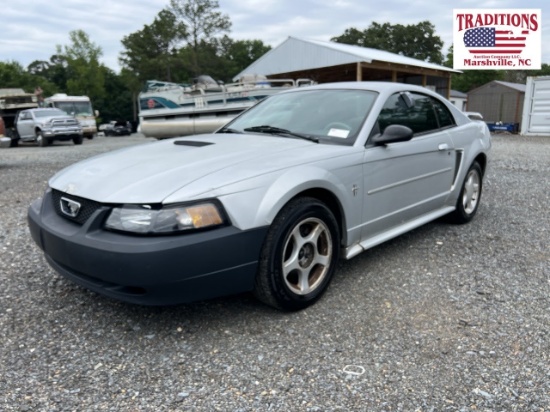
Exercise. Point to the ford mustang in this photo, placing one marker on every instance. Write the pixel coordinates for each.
(268, 203)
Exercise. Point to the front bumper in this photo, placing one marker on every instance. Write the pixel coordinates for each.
(89, 129)
(62, 133)
(156, 270)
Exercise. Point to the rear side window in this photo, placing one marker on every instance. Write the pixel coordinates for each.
(444, 116)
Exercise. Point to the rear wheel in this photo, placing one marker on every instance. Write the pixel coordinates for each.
(299, 255)
(470, 195)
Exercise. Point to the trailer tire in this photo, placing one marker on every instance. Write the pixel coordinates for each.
(14, 140)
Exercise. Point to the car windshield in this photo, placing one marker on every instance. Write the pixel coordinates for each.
(49, 112)
(328, 116)
(75, 108)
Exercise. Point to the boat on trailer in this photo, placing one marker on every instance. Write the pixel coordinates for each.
(172, 109)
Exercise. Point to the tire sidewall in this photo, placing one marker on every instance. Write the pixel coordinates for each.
(296, 212)
(41, 139)
(461, 215)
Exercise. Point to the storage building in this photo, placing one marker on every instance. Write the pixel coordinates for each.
(498, 102)
(325, 62)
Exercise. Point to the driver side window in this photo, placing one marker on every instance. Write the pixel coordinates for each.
(419, 116)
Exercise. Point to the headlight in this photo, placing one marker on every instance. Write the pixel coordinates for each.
(146, 220)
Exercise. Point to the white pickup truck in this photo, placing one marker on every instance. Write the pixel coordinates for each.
(44, 125)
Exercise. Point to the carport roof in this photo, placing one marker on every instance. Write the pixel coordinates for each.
(296, 54)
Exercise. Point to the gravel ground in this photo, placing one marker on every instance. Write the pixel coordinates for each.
(445, 318)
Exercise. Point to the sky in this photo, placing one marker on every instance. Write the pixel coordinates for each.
(32, 29)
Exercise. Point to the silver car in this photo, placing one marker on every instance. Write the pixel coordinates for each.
(268, 203)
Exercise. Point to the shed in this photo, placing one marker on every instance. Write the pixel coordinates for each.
(498, 101)
(459, 99)
(325, 61)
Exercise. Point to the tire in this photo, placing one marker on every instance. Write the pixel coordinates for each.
(14, 142)
(470, 196)
(41, 140)
(306, 236)
(78, 139)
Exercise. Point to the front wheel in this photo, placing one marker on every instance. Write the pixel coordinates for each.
(470, 195)
(299, 255)
(78, 139)
(41, 140)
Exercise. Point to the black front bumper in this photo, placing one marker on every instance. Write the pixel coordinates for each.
(146, 270)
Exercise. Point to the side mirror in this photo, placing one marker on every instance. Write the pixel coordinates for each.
(96, 113)
(392, 134)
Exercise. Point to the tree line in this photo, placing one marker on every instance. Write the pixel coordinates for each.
(191, 37)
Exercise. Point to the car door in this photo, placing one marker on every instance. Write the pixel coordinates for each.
(25, 125)
(406, 180)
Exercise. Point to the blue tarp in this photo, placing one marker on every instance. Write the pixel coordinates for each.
(503, 127)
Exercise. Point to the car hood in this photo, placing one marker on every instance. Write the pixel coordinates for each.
(151, 172)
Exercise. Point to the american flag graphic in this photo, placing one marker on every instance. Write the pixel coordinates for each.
(491, 40)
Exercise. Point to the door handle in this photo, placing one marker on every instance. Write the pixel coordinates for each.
(444, 146)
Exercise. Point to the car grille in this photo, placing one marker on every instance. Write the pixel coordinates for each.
(87, 207)
(66, 122)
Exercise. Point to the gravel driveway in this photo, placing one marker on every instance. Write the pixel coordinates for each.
(445, 318)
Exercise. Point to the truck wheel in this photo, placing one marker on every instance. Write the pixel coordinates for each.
(41, 140)
(78, 139)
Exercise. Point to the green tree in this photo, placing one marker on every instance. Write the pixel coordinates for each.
(240, 54)
(150, 53)
(418, 41)
(203, 23)
(85, 72)
(54, 71)
(13, 75)
(118, 100)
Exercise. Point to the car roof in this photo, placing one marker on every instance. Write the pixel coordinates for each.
(40, 109)
(383, 88)
(367, 85)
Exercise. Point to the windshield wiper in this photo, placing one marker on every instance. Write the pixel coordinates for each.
(228, 130)
(279, 131)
